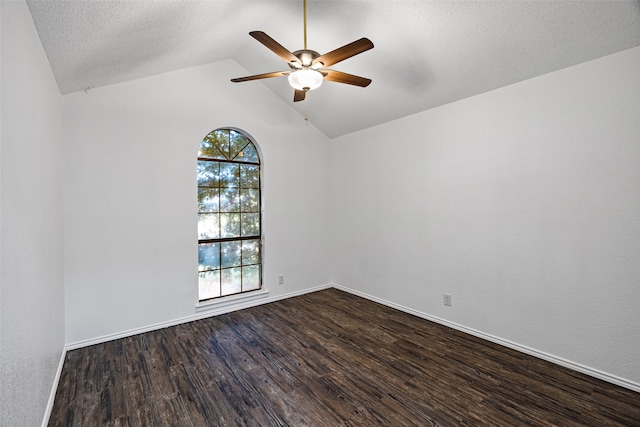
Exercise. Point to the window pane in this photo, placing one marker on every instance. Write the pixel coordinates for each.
(231, 281)
(215, 145)
(229, 200)
(208, 226)
(209, 147)
(250, 252)
(208, 173)
(237, 143)
(230, 254)
(251, 224)
(230, 225)
(208, 256)
(250, 200)
(249, 154)
(208, 200)
(229, 175)
(250, 176)
(209, 284)
(250, 278)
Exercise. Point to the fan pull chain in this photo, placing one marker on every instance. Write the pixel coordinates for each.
(306, 112)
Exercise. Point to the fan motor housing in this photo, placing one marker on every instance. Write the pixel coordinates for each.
(305, 56)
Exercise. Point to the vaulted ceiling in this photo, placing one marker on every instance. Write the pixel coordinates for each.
(427, 53)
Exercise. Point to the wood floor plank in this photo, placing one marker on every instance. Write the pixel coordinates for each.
(325, 359)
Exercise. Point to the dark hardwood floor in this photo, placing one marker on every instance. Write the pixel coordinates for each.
(325, 359)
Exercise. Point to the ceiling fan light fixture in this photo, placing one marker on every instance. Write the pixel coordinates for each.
(306, 79)
(308, 66)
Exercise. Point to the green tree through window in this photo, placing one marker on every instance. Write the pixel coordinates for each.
(229, 215)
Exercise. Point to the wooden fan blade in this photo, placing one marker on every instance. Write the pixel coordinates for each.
(344, 52)
(274, 46)
(260, 76)
(299, 95)
(350, 79)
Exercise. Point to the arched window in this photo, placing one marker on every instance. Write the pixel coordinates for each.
(229, 215)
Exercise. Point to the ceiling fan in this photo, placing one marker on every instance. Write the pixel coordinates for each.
(307, 67)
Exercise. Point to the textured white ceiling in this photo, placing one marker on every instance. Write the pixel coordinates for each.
(427, 53)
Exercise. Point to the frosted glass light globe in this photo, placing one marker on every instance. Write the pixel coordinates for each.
(305, 79)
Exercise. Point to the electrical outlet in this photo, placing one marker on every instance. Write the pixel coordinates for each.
(447, 299)
(281, 279)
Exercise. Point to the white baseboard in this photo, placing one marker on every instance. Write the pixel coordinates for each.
(54, 388)
(614, 379)
(201, 314)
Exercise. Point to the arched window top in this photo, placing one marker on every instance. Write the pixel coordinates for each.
(230, 145)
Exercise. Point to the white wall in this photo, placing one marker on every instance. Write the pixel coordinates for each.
(523, 203)
(130, 195)
(31, 234)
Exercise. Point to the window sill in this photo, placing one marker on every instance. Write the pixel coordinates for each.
(232, 302)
